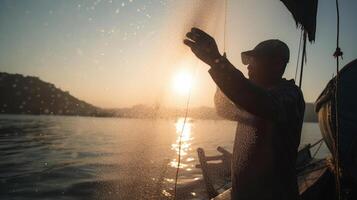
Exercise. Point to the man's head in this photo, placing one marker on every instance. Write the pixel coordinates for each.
(267, 61)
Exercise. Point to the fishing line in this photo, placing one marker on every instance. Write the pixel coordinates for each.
(181, 133)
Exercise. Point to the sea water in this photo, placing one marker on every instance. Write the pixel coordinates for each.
(57, 157)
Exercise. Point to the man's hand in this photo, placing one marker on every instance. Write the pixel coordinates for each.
(203, 46)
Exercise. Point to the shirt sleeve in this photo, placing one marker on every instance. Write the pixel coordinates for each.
(274, 104)
(242, 92)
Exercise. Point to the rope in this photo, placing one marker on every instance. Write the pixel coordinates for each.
(298, 58)
(338, 53)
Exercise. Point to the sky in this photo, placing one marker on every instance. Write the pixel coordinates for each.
(127, 52)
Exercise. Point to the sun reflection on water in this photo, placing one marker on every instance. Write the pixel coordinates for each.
(185, 131)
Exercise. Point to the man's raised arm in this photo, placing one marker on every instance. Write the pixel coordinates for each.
(231, 81)
(243, 92)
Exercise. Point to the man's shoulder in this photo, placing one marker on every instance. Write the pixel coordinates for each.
(288, 95)
(286, 88)
(288, 99)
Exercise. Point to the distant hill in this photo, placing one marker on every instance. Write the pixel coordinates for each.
(30, 95)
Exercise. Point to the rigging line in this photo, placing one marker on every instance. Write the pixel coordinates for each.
(316, 143)
(337, 55)
(318, 149)
(303, 59)
(298, 58)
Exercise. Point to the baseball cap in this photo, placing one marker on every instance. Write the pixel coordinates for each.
(267, 48)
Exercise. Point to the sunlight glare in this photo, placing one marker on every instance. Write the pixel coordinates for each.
(185, 130)
(182, 82)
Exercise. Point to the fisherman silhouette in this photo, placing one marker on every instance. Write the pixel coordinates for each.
(269, 110)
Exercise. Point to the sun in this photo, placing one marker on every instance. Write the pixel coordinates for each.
(182, 82)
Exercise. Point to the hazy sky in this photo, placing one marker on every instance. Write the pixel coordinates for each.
(120, 53)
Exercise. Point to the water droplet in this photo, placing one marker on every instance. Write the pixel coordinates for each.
(166, 193)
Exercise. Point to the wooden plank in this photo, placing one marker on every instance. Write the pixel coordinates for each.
(226, 195)
(203, 162)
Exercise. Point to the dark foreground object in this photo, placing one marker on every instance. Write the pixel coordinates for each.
(347, 124)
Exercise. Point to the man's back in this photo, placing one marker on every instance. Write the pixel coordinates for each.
(264, 153)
